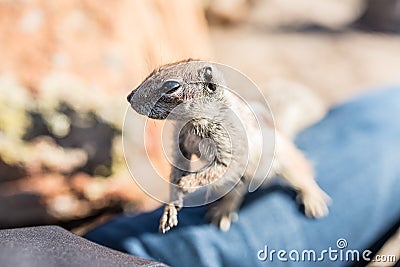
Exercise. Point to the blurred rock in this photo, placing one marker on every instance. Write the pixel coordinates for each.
(66, 68)
(45, 185)
(68, 206)
(227, 11)
(10, 172)
(70, 202)
(380, 15)
(111, 46)
(276, 14)
(12, 215)
(49, 156)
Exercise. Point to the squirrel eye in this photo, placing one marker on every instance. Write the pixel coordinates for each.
(171, 86)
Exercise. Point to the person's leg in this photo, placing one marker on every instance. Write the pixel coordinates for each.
(356, 154)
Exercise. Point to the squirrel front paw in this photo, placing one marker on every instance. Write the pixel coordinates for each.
(169, 219)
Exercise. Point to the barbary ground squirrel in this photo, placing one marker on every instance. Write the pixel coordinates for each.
(193, 94)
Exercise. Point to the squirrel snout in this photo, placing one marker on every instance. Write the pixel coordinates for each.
(129, 97)
(136, 103)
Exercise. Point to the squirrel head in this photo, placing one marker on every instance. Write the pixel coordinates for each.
(178, 90)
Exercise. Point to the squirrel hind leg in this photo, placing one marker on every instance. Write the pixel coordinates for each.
(293, 167)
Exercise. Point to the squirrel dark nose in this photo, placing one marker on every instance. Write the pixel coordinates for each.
(129, 97)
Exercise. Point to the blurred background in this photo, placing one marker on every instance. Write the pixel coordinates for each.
(67, 66)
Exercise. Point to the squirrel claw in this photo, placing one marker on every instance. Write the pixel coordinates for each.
(169, 219)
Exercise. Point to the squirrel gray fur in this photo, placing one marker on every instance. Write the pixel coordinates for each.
(195, 97)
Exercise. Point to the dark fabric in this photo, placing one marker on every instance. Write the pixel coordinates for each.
(52, 246)
(356, 154)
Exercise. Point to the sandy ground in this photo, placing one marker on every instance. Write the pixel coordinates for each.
(335, 65)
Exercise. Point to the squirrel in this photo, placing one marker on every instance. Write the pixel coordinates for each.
(216, 126)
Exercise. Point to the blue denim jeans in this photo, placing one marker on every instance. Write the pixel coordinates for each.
(356, 154)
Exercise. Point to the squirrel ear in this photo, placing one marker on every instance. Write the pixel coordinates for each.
(208, 78)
